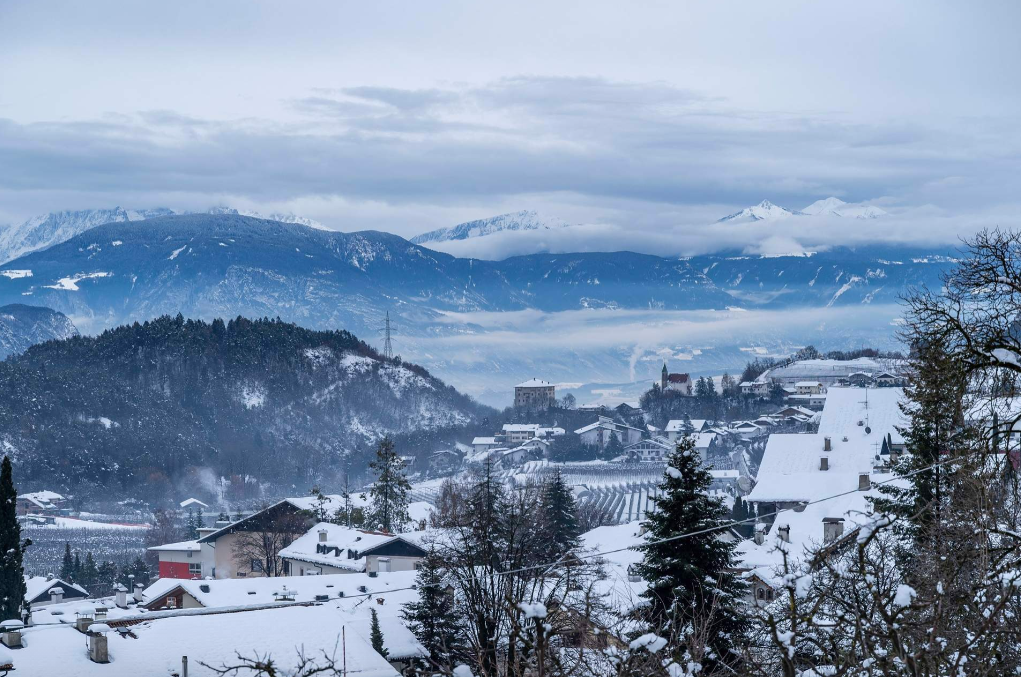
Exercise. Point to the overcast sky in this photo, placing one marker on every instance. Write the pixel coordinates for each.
(644, 121)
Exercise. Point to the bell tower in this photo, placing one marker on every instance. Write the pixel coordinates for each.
(663, 378)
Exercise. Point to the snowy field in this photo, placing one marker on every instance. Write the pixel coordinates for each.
(116, 543)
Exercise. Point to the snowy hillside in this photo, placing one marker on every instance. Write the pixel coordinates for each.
(22, 326)
(40, 232)
(523, 220)
(44, 231)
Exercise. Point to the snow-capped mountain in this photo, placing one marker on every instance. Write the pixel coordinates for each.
(837, 207)
(523, 220)
(40, 232)
(764, 211)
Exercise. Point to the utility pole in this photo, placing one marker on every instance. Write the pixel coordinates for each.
(388, 348)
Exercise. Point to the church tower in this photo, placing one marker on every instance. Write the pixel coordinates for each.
(663, 378)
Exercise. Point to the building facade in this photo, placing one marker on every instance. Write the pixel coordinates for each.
(534, 394)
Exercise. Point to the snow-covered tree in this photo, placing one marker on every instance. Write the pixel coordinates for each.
(560, 516)
(433, 617)
(694, 595)
(376, 635)
(388, 509)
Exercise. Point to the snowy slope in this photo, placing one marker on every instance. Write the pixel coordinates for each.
(44, 231)
(523, 220)
(22, 326)
(40, 232)
(764, 211)
(837, 207)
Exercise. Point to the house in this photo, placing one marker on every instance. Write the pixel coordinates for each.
(193, 504)
(679, 383)
(480, 444)
(705, 443)
(517, 455)
(747, 429)
(43, 590)
(652, 450)
(600, 433)
(444, 460)
(798, 468)
(809, 388)
(860, 379)
(677, 428)
(534, 394)
(287, 520)
(757, 388)
(886, 379)
(795, 411)
(40, 503)
(186, 559)
(628, 408)
(816, 401)
(332, 549)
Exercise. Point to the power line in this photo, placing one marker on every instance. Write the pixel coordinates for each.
(732, 523)
(388, 348)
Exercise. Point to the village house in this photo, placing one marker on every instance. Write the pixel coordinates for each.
(40, 503)
(652, 450)
(600, 433)
(286, 520)
(679, 383)
(481, 444)
(677, 428)
(809, 388)
(534, 394)
(444, 461)
(757, 388)
(332, 549)
(44, 590)
(186, 559)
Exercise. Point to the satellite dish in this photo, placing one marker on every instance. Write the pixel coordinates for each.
(868, 430)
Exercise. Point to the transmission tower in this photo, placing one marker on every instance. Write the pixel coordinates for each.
(388, 348)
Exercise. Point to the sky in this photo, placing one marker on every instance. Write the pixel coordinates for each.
(640, 122)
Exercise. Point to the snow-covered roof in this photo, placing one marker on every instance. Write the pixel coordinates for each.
(703, 440)
(623, 592)
(520, 427)
(484, 440)
(212, 639)
(44, 496)
(790, 464)
(189, 502)
(807, 384)
(304, 547)
(605, 423)
(37, 585)
(677, 425)
(534, 383)
(181, 546)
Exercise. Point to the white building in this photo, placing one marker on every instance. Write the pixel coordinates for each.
(332, 549)
(602, 431)
(535, 394)
(677, 428)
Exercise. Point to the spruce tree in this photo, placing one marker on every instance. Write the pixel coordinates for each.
(376, 635)
(933, 408)
(192, 532)
(199, 521)
(433, 618)
(12, 548)
(76, 569)
(692, 587)
(389, 493)
(90, 572)
(67, 566)
(560, 517)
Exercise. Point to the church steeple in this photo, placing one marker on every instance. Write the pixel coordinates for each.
(663, 378)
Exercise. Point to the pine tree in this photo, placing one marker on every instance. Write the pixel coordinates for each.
(692, 588)
(12, 548)
(192, 532)
(432, 617)
(389, 507)
(934, 411)
(76, 569)
(560, 517)
(90, 572)
(199, 521)
(376, 636)
(67, 566)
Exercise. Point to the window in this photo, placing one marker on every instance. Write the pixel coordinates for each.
(287, 568)
(418, 565)
(190, 553)
(384, 564)
(257, 565)
(195, 569)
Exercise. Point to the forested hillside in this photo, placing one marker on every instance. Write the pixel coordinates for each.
(175, 405)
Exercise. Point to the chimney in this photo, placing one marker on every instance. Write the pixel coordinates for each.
(864, 483)
(137, 594)
(56, 595)
(98, 651)
(785, 533)
(832, 528)
(824, 463)
(322, 535)
(827, 444)
(10, 633)
(121, 596)
(760, 533)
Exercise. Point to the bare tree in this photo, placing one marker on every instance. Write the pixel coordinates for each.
(259, 545)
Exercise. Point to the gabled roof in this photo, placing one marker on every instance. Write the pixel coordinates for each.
(677, 425)
(535, 383)
(187, 503)
(181, 546)
(305, 547)
(484, 440)
(38, 585)
(306, 503)
(678, 378)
